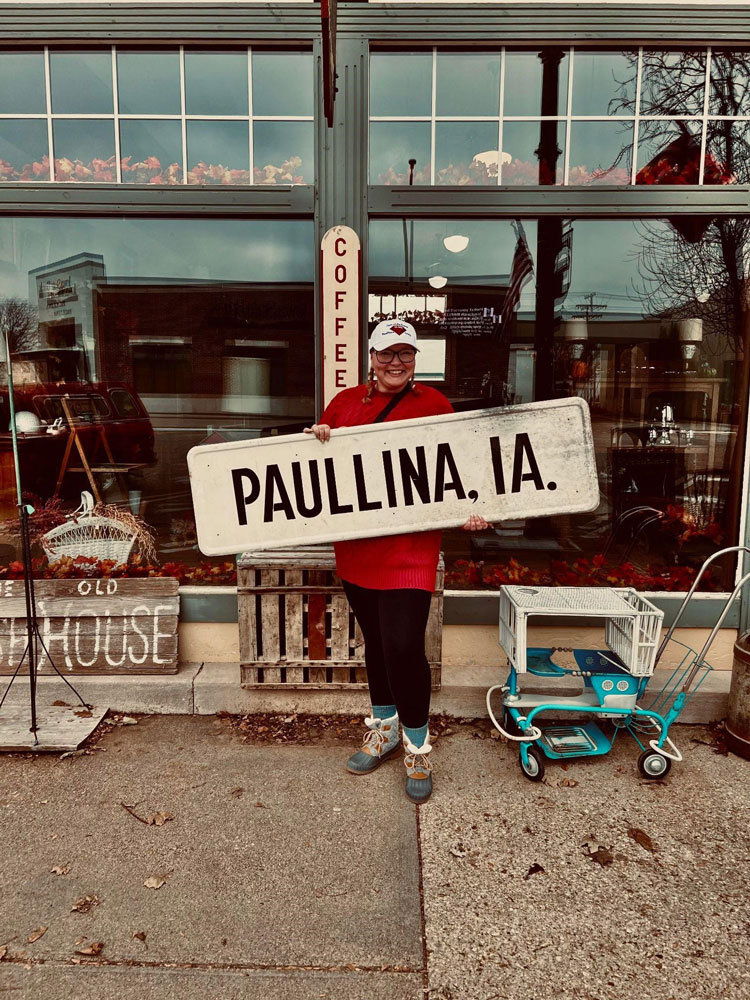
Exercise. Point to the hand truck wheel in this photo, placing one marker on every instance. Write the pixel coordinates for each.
(534, 770)
(654, 765)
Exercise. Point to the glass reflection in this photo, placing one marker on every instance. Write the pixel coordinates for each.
(283, 153)
(536, 83)
(84, 150)
(633, 317)
(730, 83)
(218, 152)
(81, 82)
(400, 84)
(150, 152)
(728, 153)
(673, 83)
(23, 150)
(282, 83)
(466, 153)
(467, 85)
(392, 145)
(600, 153)
(669, 152)
(148, 83)
(166, 349)
(532, 153)
(216, 83)
(22, 90)
(603, 83)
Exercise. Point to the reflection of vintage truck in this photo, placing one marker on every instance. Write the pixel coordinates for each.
(100, 411)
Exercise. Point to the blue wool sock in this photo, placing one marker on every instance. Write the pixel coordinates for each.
(383, 711)
(416, 736)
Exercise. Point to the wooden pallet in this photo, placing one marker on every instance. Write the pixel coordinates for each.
(297, 630)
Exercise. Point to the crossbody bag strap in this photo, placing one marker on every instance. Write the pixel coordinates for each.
(389, 406)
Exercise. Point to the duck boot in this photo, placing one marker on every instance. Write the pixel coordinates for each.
(418, 772)
(381, 742)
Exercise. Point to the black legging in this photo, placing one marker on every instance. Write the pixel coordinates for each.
(393, 624)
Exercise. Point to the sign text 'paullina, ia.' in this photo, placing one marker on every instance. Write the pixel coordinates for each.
(412, 475)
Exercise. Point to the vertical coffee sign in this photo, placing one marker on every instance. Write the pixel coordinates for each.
(340, 269)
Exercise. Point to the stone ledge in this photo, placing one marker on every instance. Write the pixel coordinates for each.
(208, 688)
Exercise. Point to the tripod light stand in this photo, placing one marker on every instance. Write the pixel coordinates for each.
(33, 634)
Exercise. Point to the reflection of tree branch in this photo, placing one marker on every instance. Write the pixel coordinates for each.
(18, 321)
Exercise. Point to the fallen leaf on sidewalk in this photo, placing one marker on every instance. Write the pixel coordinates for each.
(237, 793)
(3, 952)
(159, 818)
(128, 721)
(72, 753)
(61, 704)
(35, 935)
(85, 903)
(155, 881)
(60, 870)
(597, 852)
(259, 805)
(95, 948)
(642, 839)
(140, 936)
(536, 869)
(84, 713)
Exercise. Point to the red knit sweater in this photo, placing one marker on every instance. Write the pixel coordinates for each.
(394, 562)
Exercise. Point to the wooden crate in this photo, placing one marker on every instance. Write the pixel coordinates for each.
(296, 628)
(102, 626)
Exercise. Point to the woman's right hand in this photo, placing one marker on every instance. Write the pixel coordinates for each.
(321, 431)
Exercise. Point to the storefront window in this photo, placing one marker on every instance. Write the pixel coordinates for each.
(171, 116)
(154, 336)
(645, 320)
(557, 116)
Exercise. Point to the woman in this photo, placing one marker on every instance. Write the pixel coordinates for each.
(389, 581)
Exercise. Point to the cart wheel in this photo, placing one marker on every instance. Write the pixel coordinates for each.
(534, 770)
(653, 765)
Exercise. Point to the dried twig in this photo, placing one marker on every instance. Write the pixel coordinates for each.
(135, 815)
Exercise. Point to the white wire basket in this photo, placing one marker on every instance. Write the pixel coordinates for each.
(89, 535)
(632, 624)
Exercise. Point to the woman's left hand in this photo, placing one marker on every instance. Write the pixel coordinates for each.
(476, 523)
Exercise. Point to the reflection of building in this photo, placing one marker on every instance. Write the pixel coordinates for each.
(64, 295)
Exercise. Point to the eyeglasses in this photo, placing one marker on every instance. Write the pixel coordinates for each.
(406, 356)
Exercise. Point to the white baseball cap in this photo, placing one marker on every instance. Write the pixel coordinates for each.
(391, 332)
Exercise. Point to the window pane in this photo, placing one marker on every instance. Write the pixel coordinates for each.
(392, 145)
(525, 74)
(600, 152)
(668, 152)
(218, 153)
(628, 315)
(282, 83)
(216, 83)
(81, 83)
(728, 156)
(151, 152)
(173, 332)
(283, 152)
(467, 84)
(84, 150)
(604, 83)
(466, 153)
(730, 83)
(673, 83)
(521, 161)
(24, 153)
(22, 89)
(400, 84)
(148, 83)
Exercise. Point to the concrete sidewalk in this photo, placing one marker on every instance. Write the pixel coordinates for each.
(285, 877)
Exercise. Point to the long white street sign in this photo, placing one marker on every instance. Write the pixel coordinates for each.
(510, 462)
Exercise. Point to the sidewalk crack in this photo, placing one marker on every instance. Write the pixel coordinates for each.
(192, 688)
